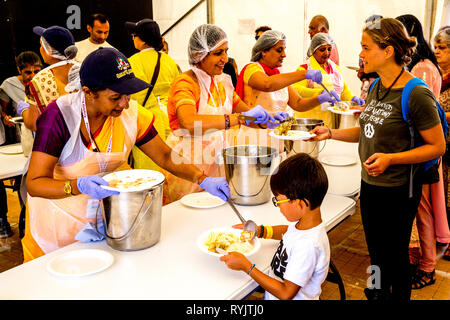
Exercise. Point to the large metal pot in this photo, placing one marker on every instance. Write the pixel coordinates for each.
(247, 170)
(132, 220)
(299, 146)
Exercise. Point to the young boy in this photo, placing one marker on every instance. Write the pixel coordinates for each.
(300, 264)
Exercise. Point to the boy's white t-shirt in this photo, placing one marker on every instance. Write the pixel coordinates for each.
(302, 257)
(85, 47)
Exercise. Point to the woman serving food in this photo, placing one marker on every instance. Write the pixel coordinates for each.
(84, 134)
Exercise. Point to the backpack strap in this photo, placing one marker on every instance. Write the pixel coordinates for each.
(373, 83)
(155, 76)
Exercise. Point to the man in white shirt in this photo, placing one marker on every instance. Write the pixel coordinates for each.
(98, 28)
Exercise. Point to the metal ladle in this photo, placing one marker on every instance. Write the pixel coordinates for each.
(325, 88)
(249, 225)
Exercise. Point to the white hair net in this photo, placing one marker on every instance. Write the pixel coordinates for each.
(319, 40)
(267, 40)
(69, 53)
(204, 39)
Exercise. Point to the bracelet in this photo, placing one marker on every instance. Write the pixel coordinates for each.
(329, 130)
(251, 269)
(269, 232)
(203, 175)
(261, 232)
(227, 121)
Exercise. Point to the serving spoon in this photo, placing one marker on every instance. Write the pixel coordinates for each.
(249, 225)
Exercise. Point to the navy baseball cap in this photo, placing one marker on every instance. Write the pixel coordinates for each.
(109, 68)
(148, 30)
(57, 37)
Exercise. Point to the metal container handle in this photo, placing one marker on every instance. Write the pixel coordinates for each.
(133, 225)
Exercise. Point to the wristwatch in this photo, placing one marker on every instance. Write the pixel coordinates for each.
(68, 188)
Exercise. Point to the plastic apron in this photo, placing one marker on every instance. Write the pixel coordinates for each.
(333, 81)
(54, 223)
(161, 124)
(272, 102)
(200, 150)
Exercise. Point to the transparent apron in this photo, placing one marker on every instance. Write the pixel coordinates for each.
(200, 149)
(54, 223)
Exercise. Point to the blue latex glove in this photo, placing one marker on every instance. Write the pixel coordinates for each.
(261, 115)
(325, 97)
(358, 100)
(280, 116)
(217, 187)
(21, 106)
(90, 185)
(89, 234)
(314, 75)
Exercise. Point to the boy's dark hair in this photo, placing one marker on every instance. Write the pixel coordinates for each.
(100, 17)
(301, 177)
(28, 58)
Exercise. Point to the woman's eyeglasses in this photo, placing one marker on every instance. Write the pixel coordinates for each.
(276, 202)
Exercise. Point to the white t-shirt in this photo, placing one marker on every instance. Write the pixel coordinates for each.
(86, 46)
(302, 257)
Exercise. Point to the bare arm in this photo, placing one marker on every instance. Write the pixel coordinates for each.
(30, 116)
(347, 135)
(298, 103)
(167, 159)
(263, 82)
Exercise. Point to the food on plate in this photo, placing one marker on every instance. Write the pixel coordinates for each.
(345, 106)
(129, 182)
(246, 235)
(284, 128)
(227, 241)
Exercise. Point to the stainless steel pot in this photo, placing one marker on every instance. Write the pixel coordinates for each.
(310, 147)
(132, 220)
(247, 170)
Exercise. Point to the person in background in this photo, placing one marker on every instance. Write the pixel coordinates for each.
(261, 83)
(260, 30)
(390, 174)
(204, 109)
(300, 264)
(319, 59)
(431, 223)
(442, 53)
(12, 91)
(83, 135)
(165, 49)
(148, 63)
(319, 24)
(98, 28)
(231, 69)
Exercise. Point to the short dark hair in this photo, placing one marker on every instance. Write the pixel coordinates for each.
(97, 16)
(301, 177)
(263, 29)
(28, 58)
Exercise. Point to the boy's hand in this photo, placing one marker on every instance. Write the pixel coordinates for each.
(236, 261)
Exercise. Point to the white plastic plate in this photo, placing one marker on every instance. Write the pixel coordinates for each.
(204, 236)
(13, 149)
(201, 200)
(79, 263)
(293, 135)
(133, 180)
(338, 160)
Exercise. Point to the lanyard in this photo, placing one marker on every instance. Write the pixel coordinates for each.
(102, 165)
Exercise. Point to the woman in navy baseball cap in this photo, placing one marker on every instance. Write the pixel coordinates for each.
(83, 135)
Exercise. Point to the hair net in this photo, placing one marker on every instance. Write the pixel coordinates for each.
(319, 40)
(204, 39)
(266, 41)
(69, 53)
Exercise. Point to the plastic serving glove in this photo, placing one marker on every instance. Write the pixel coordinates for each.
(358, 100)
(90, 185)
(280, 116)
(21, 106)
(325, 97)
(216, 186)
(258, 112)
(89, 234)
(314, 75)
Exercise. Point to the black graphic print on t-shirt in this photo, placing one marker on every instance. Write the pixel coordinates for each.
(279, 261)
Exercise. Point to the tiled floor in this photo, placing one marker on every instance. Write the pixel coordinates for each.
(348, 252)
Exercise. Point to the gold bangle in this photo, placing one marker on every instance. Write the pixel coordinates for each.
(269, 233)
